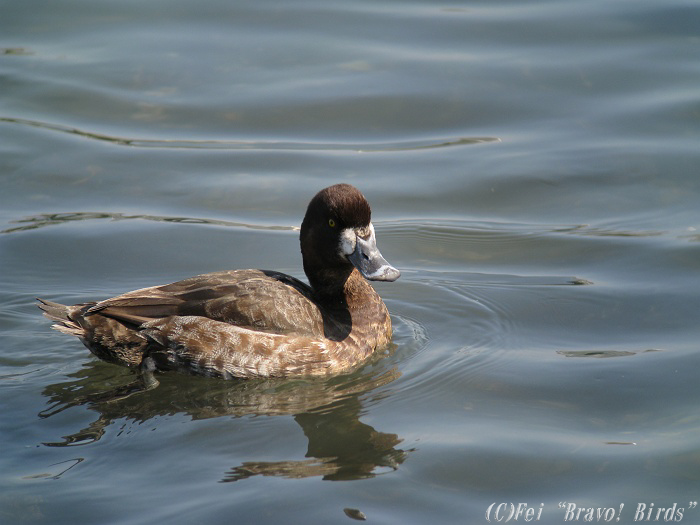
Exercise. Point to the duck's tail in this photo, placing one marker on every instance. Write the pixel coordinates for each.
(61, 315)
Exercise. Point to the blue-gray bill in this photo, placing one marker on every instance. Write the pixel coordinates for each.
(369, 261)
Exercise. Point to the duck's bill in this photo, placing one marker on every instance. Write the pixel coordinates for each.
(369, 261)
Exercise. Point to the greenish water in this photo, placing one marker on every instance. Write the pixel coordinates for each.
(533, 171)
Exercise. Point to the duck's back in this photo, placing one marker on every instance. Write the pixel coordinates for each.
(255, 299)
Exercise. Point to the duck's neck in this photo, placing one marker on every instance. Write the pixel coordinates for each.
(340, 288)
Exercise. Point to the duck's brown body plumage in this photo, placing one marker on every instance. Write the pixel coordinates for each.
(254, 323)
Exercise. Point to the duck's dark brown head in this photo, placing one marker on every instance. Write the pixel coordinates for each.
(337, 235)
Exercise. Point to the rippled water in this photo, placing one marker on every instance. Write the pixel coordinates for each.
(532, 168)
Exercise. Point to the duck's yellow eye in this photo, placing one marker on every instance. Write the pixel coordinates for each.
(331, 223)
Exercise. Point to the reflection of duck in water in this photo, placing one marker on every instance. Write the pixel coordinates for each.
(328, 410)
(341, 447)
(253, 323)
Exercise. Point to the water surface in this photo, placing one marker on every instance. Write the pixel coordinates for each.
(532, 168)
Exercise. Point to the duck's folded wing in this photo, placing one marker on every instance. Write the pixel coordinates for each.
(253, 299)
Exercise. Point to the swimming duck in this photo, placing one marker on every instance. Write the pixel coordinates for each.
(254, 323)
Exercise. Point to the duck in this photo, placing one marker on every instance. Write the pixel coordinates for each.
(245, 324)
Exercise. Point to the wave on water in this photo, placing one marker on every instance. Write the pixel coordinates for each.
(52, 219)
(360, 147)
